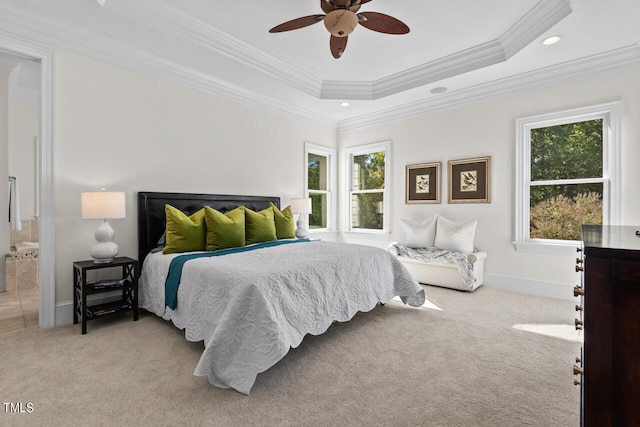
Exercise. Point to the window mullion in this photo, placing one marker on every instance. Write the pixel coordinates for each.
(568, 181)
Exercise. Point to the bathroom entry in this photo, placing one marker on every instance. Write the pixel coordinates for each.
(19, 156)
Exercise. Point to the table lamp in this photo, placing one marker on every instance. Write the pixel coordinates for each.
(302, 207)
(103, 205)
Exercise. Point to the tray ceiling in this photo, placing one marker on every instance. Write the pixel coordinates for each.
(473, 49)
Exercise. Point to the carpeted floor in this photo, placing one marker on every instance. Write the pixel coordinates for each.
(463, 364)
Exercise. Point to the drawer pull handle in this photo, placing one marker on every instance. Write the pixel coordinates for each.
(577, 290)
(577, 370)
(579, 269)
(578, 324)
(578, 307)
(576, 382)
(579, 261)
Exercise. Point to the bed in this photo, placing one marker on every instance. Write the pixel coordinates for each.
(250, 306)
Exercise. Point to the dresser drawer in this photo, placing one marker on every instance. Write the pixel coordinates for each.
(626, 271)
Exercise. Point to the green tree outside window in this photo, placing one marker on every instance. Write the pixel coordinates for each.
(564, 159)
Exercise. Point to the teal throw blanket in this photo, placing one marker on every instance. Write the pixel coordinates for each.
(172, 282)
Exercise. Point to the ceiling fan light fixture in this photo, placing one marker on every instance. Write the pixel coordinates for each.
(341, 22)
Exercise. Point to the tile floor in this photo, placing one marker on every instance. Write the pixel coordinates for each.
(18, 309)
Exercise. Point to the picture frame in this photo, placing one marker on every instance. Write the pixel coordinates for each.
(470, 180)
(422, 183)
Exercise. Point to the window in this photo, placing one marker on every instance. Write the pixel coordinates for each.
(566, 175)
(320, 182)
(368, 177)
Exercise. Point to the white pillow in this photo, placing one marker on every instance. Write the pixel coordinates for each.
(420, 234)
(455, 236)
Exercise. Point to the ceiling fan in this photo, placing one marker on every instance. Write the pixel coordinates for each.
(341, 18)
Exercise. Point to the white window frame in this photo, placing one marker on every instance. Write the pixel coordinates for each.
(350, 153)
(611, 114)
(332, 183)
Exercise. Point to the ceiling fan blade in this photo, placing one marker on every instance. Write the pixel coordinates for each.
(338, 45)
(382, 23)
(294, 24)
(326, 6)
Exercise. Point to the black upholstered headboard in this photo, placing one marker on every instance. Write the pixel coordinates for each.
(151, 216)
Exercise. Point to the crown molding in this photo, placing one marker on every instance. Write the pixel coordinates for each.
(102, 48)
(541, 18)
(534, 23)
(92, 45)
(167, 19)
(452, 65)
(614, 60)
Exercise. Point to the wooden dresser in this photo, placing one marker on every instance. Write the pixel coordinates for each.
(609, 368)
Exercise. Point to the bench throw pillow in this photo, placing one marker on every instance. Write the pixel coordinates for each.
(420, 234)
(455, 236)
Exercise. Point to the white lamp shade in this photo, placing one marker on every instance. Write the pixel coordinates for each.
(301, 206)
(103, 205)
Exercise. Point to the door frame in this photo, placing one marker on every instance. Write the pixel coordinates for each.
(46, 220)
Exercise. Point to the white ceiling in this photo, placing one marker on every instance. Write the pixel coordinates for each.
(474, 49)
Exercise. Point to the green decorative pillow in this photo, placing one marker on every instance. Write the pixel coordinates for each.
(285, 226)
(259, 226)
(224, 230)
(184, 233)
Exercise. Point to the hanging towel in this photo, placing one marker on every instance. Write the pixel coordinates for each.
(14, 206)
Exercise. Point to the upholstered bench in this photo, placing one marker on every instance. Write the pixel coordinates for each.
(446, 245)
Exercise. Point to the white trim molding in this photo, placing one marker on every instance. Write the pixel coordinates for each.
(615, 60)
(539, 288)
(611, 114)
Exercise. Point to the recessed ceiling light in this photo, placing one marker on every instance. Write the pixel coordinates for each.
(344, 104)
(439, 89)
(551, 40)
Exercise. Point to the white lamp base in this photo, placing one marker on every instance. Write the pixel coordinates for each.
(105, 250)
(301, 230)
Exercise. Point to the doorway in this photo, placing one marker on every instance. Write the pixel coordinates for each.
(20, 139)
(43, 198)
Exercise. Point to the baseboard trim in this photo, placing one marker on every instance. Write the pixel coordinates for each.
(64, 310)
(561, 291)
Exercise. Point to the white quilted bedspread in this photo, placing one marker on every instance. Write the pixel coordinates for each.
(250, 308)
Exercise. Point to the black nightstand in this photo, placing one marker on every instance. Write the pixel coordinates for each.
(127, 281)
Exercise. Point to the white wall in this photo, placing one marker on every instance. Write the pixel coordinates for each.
(124, 130)
(488, 128)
